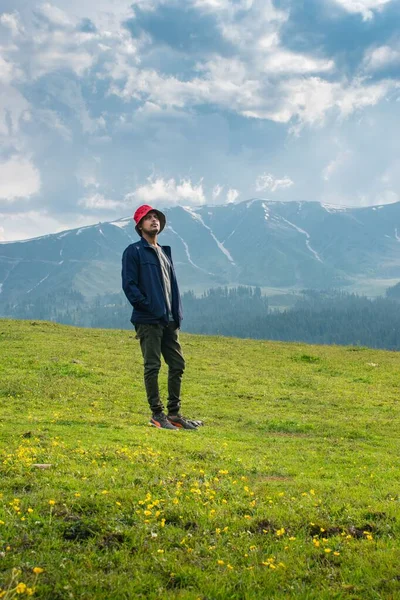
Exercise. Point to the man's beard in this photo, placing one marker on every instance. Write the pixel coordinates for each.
(151, 232)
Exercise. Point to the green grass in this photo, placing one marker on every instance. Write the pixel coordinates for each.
(290, 490)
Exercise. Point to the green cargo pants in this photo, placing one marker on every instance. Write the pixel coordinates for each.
(157, 340)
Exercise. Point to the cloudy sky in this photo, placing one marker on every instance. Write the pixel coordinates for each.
(107, 104)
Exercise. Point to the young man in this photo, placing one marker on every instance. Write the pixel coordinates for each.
(149, 283)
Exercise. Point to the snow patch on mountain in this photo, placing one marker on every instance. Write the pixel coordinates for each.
(220, 245)
(121, 223)
(332, 208)
(79, 231)
(37, 285)
(314, 252)
(266, 211)
(250, 202)
(187, 251)
(8, 275)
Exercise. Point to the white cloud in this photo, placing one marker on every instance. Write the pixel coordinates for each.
(217, 189)
(309, 100)
(283, 61)
(267, 181)
(212, 4)
(19, 178)
(168, 192)
(334, 165)
(257, 18)
(89, 180)
(228, 84)
(360, 95)
(12, 22)
(364, 7)
(55, 15)
(97, 201)
(52, 120)
(34, 223)
(381, 57)
(69, 93)
(232, 195)
(106, 15)
(14, 110)
(55, 58)
(9, 71)
(255, 82)
(387, 197)
(6, 70)
(53, 46)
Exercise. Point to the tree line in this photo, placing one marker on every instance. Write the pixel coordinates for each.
(320, 317)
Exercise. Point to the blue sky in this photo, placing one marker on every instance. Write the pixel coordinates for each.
(108, 104)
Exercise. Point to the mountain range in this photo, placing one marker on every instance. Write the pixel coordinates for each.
(285, 245)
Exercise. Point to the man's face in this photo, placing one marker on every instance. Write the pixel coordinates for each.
(150, 224)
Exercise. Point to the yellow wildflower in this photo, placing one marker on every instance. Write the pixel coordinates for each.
(21, 588)
(37, 570)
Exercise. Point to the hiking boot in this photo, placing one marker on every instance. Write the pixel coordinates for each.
(180, 422)
(161, 422)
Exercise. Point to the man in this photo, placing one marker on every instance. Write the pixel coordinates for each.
(149, 283)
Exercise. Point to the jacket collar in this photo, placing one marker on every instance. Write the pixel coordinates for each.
(146, 244)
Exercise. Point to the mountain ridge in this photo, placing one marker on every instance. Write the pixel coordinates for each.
(261, 242)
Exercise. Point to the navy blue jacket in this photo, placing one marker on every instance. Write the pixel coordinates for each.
(143, 284)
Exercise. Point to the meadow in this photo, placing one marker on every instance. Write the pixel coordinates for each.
(290, 490)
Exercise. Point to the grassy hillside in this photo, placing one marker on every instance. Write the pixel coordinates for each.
(290, 490)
